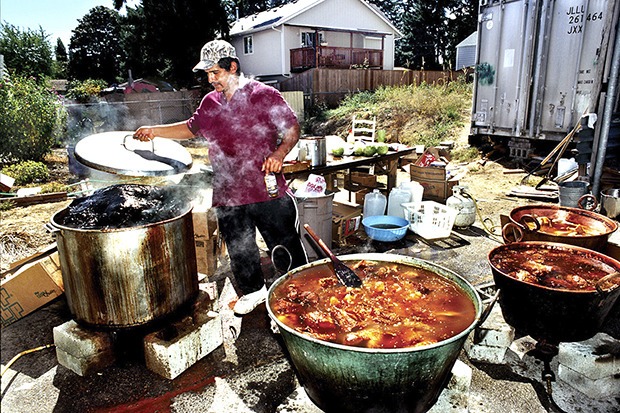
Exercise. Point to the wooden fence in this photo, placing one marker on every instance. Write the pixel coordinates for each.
(329, 86)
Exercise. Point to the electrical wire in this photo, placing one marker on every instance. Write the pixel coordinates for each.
(14, 359)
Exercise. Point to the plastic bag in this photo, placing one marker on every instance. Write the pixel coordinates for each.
(314, 186)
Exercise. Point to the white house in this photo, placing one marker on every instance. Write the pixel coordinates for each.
(466, 52)
(314, 33)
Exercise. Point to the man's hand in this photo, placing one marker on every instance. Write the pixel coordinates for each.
(144, 134)
(273, 163)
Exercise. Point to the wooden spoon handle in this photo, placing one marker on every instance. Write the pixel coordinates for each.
(318, 240)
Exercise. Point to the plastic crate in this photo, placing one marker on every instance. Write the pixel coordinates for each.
(430, 219)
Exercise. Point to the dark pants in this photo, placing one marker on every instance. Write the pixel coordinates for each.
(276, 222)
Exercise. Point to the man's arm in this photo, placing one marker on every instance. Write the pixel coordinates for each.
(177, 130)
(274, 162)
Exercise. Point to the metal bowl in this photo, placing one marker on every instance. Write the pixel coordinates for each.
(385, 228)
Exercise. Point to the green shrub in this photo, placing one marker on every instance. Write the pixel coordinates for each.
(27, 172)
(85, 91)
(32, 120)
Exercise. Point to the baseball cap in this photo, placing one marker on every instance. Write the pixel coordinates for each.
(212, 52)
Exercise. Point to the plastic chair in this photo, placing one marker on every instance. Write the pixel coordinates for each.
(364, 129)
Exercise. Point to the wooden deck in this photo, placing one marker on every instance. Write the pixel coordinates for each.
(335, 58)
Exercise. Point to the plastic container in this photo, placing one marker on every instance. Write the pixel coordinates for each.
(316, 211)
(385, 228)
(397, 197)
(430, 219)
(415, 189)
(374, 204)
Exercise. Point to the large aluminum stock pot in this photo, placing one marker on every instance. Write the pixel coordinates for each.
(127, 277)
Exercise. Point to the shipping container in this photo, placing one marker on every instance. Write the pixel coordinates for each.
(541, 65)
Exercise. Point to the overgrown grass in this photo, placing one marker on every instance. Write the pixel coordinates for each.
(412, 115)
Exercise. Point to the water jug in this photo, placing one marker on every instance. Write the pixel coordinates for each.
(464, 205)
(374, 204)
(415, 189)
(397, 197)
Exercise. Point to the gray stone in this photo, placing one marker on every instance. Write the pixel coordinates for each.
(172, 350)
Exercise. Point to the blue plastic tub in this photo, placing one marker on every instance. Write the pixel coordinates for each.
(385, 228)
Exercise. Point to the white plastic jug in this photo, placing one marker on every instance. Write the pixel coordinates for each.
(415, 189)
(397, 197)
(374, 204)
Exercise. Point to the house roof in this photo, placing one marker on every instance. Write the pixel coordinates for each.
(282, 14)
(470, 40)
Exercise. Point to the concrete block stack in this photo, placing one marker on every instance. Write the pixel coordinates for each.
(489, 342)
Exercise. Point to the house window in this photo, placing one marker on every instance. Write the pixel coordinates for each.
(308, 39)
(248, 47)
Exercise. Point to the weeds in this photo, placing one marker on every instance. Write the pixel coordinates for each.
(413, 115)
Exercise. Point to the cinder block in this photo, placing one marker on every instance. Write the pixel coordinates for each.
(579, 357)
(600, 389)
(489, 342)
(84, 366)
(173, 349)
(484, 354)
(455, 397)
(494, 332)
(82, 350)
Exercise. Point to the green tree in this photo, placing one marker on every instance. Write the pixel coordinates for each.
(133, 39)
(26, 53)
(95, 50)
(60, 64)
(31, 122)
(462, 22)
(392, 9)
(431, 30)
(175, 33)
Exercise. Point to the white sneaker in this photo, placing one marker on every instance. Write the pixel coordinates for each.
(249, 302)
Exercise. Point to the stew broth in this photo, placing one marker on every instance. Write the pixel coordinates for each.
(565, 224)
(553, 268)
(397, 306)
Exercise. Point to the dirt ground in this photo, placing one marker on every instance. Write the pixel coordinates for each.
(23, 232)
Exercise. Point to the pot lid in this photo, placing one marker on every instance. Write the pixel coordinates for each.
(118, 153)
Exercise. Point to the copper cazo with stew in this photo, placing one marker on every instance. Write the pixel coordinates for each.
(565, 225)
(554, 292)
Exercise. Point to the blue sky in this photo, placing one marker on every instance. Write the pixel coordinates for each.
(57, 17)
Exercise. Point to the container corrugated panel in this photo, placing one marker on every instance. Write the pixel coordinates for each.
(541, 65)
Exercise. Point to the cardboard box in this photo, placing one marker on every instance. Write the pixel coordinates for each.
(359, 195)
(431, 155)
(345, 222)
(207, 252)
(31, 286)
(427, 173)
(205, 222)
(365, 179)
(438, 191)
(437, 186)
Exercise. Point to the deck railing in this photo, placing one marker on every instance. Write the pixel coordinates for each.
(335, 57)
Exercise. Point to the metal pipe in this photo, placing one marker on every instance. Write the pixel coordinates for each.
(612, 90)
